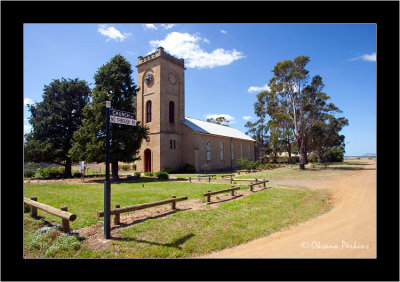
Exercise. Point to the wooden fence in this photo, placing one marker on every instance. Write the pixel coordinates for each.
(118, 210)
(209, 193)
(66, 216)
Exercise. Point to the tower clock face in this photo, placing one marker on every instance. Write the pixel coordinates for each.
(148, 77)
(172, 78)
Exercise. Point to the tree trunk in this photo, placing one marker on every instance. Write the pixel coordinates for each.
(303, 156)
(114, 170)
(68, 165)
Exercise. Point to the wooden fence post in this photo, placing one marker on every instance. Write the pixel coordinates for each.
(33, 209)
(233, 191)
(231, 180)
(208, 197)
(173, 203)
(264, 182)
(190, 179)
(117, 219)
(251, 186)
(65, 222)
(209, 179)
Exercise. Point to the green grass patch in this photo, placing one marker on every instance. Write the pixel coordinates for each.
(85, 200)
(193, 233)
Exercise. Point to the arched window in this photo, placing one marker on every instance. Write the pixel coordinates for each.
(208, 151)
(148, 111)
(171, 112)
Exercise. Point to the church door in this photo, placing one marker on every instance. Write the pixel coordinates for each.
(147, 160)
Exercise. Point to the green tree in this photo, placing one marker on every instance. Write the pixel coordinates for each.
(304, 103)
(219, 120)
(113, 83)
(325, 136)
(54, 121)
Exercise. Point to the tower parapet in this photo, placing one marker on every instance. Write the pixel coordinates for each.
(161, 53)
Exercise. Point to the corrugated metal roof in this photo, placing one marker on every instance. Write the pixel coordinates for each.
(215, 129)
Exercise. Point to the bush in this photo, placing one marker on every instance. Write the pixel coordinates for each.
(29, 173)
(27, 208)
(162, 175)
(124, 167)
(54, 172)
(168, 170)
(137, 174)
(44, 172)
(334, 155)
(134, 166)
(148, 173)
(247, 164)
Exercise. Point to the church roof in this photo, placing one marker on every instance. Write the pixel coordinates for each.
(214, 129)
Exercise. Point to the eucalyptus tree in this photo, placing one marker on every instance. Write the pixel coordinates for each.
(297, 98)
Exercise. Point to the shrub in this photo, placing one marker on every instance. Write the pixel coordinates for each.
(76, 173)
(334, 155)
(124, 167)
(54, 172)
(137, 174)
(29, 173)
(148, 173)
(247, 164)
(44, 172)
(134, 166)
(162, 175)
(168, 170)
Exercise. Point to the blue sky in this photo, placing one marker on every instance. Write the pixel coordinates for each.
(227, 64)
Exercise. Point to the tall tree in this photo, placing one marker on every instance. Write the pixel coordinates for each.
(304, 103)
(113, 83)
(54, 121)
(219, 120)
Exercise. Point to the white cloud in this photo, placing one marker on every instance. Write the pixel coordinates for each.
(150, 26)
(167, 26)
(366, 57)
(28, 101)
(223, 31)
(247, 117)
(258, 89)
(154, 27)
(112, 33)
(186, 46)
(230, 118)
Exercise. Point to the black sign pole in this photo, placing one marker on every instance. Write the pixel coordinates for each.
(107, 183)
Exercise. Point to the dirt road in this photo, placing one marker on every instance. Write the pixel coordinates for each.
(347, 231)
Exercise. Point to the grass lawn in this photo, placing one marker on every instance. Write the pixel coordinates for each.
(85, 200)
(187, 233)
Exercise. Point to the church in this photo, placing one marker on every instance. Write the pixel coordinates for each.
(175, 140)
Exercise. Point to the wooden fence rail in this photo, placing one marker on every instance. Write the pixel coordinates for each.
(66, 216)
(209, 193)
(118, 210)
(258, 183)
(227, 175)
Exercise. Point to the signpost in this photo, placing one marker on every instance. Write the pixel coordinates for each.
(120, 117)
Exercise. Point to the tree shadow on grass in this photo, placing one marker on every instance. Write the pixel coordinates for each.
(174, 244)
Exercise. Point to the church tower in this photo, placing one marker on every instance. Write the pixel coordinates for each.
(161, 107)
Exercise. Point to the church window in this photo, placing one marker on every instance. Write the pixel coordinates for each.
(208, 151)
(148, 111)
(241, 151)
(171, 112)
(232, 151)
(221, 150)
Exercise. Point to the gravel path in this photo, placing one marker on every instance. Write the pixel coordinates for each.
(347, 231)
